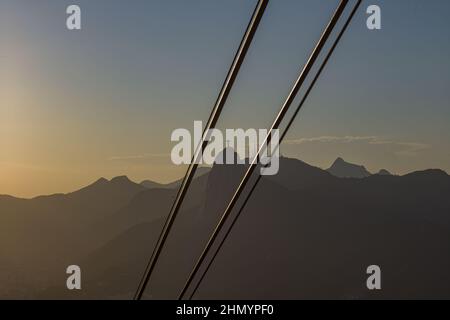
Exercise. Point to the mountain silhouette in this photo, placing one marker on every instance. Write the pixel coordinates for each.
(152, 184)
(384, 172)
(47, 232)
(316, 235)
(155, 185)
(343, 169)
(313, 232)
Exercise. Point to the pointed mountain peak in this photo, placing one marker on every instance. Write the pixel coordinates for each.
(339, 160)
(343, 169)
(101, 181)
(97, 184)
(384, 172)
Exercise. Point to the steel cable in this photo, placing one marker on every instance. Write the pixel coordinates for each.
(212, 121)
(284, 109)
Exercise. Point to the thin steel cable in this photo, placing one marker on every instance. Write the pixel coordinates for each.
(213, 118)
(284, 109)
(302, 102)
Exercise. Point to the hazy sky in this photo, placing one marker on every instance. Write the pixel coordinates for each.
(78, 105)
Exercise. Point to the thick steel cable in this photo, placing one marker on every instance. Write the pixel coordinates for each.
(284, 109)
(302, 102)
(212, 121)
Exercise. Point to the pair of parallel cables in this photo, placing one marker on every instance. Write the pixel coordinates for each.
(212, 121)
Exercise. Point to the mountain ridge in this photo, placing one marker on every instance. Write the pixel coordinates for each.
(303, 207)
(330, 226)
(342, 169)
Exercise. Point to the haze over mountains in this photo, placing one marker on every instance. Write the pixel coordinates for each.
(313, 232)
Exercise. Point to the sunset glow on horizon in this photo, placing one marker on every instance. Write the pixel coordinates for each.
(103, 101)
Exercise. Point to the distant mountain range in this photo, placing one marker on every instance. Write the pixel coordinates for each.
(153, 185)
(305, 233)
(342, 169)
